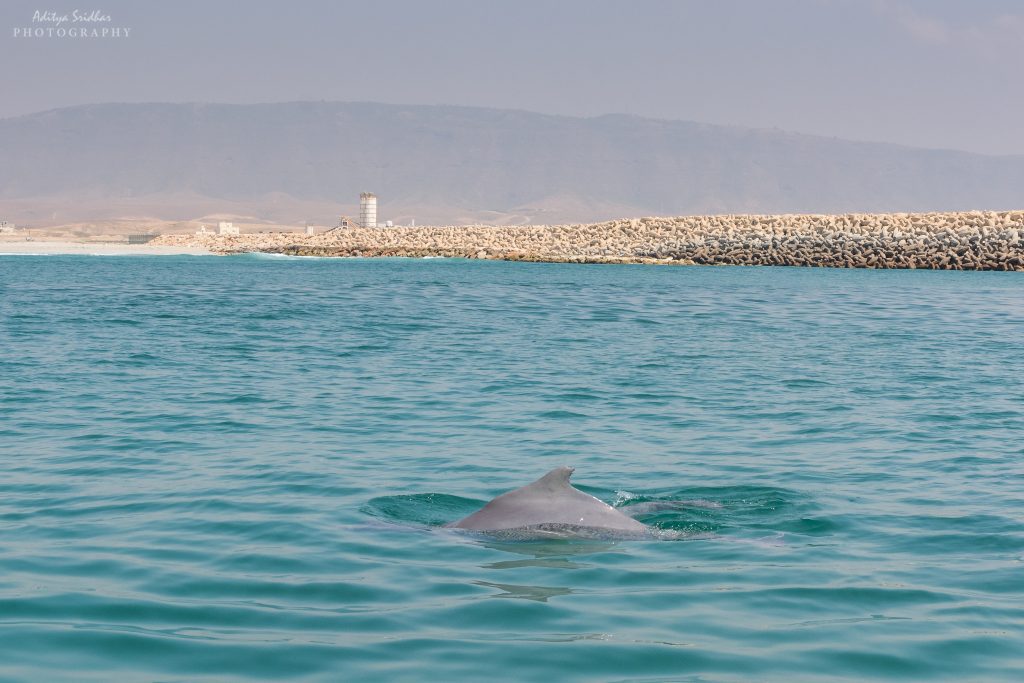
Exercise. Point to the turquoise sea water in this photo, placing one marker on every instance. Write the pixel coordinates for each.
(235, 469)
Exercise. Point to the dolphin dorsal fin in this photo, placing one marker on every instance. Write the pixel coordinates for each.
(557, 478)
(548, 504)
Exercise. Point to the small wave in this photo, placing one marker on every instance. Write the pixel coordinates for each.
(420, 509)
(560, 415)
(623, 497)
(271, 256)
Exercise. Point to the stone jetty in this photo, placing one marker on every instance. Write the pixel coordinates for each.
(965, 240)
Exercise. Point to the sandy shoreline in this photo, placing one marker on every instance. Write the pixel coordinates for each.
(57, 248)
(965, 240)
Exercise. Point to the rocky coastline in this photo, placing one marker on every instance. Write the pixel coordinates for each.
(966, 240)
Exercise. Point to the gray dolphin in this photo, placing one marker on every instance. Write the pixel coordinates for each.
(550, 504)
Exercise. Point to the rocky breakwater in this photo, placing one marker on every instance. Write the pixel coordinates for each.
(971, 240)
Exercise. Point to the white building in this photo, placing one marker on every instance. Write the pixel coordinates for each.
(226, 228)
(6, 228)
(367, 210)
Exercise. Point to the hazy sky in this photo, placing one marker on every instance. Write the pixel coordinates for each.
(934, 73)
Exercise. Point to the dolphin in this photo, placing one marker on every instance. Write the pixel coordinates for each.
(550, 504)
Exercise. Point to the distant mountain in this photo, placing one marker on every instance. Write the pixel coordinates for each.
(294, 161)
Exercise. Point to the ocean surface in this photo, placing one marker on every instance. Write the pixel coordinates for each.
(237, 469)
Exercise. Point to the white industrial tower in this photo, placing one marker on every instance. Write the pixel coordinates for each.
(367, 210)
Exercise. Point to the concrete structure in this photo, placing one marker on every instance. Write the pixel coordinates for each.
(226, 228)
(6, 228)
(203, 231)
(310, 230)
(367, 210)
(964, 240)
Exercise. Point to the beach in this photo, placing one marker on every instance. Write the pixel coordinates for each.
(61, 247)
(965, 240)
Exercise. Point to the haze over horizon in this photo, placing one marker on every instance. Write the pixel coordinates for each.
(308, 161)
(609, 114)
(939, 74)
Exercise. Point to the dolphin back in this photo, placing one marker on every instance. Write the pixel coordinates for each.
(550, 502)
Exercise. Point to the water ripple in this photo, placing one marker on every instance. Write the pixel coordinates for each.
(238, 469)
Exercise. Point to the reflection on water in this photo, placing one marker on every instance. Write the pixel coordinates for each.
(537, 593)
(546, 562)
(546, 552)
